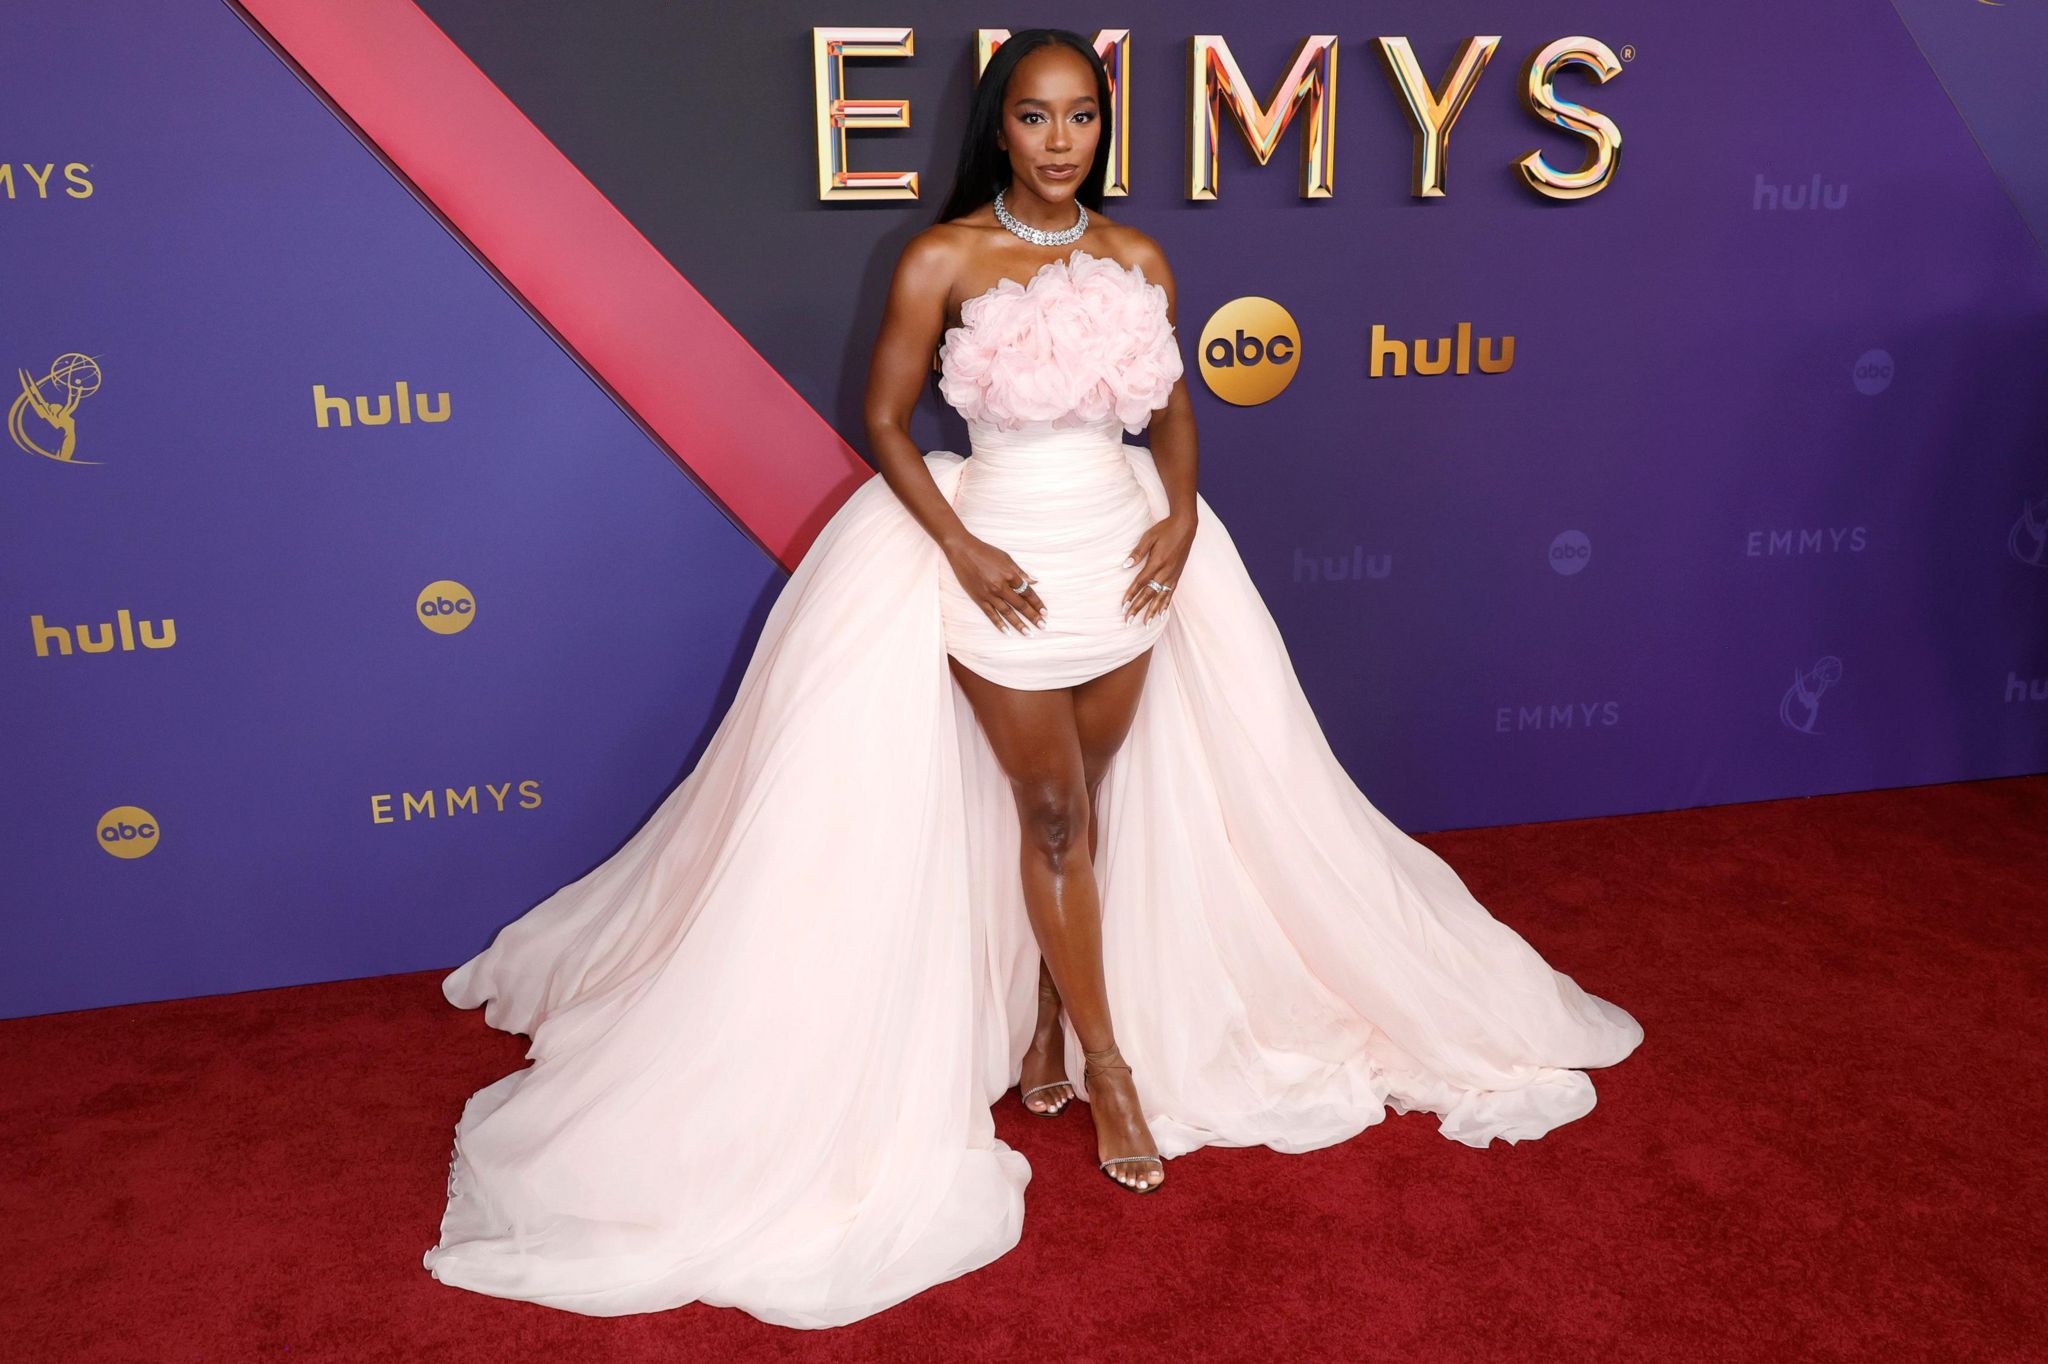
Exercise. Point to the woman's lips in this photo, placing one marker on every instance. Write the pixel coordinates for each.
(1052, 173)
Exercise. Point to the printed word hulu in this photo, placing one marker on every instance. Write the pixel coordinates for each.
(103, 637)
(1440, 355)
(377, 409)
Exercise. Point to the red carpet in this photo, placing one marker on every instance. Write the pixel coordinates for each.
(1828, 1147)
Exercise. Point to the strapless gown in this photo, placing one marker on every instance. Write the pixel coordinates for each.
(765, 1035)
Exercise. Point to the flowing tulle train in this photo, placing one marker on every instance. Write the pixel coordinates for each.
(767, 1032)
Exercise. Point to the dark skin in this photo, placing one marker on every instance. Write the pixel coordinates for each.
(1053, 745)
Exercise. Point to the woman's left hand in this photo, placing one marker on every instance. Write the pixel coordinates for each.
(1160, 554)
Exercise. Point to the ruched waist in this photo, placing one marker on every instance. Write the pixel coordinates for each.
(1064, 503)
(1046, 448)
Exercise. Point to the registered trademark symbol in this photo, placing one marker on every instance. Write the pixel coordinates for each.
(1628, 52)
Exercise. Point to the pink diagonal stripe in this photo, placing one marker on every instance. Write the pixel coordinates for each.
(756, 447)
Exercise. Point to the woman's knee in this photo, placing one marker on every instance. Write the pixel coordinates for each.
(1054, 816)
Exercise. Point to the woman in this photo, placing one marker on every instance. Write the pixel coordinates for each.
(767, 1031)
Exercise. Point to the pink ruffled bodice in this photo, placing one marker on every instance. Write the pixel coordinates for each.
(1084, 341)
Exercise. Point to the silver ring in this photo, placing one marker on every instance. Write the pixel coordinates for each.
(1156, 585)
(1022, 583)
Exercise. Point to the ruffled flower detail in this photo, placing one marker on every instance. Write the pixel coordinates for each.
(1084, 340)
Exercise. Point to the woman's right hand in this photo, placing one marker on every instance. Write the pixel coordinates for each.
(990, 578)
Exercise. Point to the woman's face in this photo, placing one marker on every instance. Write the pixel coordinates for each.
(1050, 122)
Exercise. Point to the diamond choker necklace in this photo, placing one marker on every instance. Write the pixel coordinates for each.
(1038, 236)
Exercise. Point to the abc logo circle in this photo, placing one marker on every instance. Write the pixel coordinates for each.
(1570, 552)
(1873, 372)
(1249, 350)
(128, 831)
(446, 607)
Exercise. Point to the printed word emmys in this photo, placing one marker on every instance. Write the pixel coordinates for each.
(449, 801)
(34, 181)
(1221, 97)
(1557, 715)
(1764, 544)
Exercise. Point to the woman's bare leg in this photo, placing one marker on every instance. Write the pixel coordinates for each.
(1037, 737)
(1045, 1062)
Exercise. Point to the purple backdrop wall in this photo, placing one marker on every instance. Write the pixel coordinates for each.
(1758, 511)
(239, 247)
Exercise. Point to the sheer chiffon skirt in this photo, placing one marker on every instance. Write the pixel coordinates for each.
(766, 1033)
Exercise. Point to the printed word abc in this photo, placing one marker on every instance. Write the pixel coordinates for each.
(445, 607)
(128, 831)
(1872, 373)
(1570, 552)
(1249, 349)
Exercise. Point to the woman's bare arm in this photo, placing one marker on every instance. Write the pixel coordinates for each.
(1162, 551)
(1171, 432)
(912, 324)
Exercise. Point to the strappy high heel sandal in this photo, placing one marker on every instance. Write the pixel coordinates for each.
(1046, 994)
(1052, 1112)
(1109, 1058)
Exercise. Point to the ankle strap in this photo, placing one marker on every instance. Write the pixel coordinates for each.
(1108, 1058)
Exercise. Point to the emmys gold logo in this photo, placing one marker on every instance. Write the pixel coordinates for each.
(76, 186)
(448, 802)
(407, 405)
(128, 831)
(53, 402)
(1249, 350)
(104, 637)
(446, 607)
(1449, 356)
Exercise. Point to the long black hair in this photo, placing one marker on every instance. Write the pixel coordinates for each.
(984, 167)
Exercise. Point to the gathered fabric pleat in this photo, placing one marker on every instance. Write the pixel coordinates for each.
(1065, 504)
(766, 1033)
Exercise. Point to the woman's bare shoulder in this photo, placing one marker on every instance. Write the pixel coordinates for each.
(1130, 246)
(932, 260)
(1139, 247)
